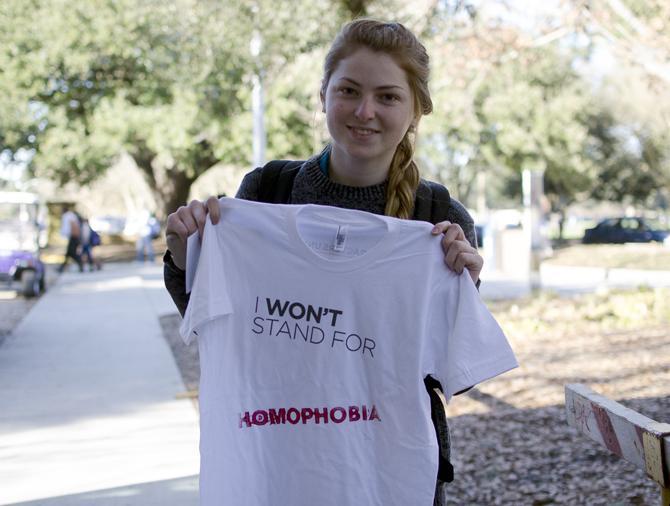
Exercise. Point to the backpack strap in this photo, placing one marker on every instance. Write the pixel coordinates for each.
(277, 181)
(431, 202)
(438, 414)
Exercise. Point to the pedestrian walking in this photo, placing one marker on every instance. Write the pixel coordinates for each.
(89, 240)
(71, 230)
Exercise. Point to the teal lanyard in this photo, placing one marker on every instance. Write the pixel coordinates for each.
(324, 161)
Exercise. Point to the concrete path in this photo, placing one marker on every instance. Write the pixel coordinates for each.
(88, 413)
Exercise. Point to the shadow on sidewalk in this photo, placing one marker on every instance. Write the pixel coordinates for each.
(181, 491)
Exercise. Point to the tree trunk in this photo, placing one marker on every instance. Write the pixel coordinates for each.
(169, 186)
(174, 192)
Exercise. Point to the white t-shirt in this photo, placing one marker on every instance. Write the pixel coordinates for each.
(67, 221)
(316, 326)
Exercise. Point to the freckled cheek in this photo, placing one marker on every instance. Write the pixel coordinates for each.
(338, 109)
(337, 115)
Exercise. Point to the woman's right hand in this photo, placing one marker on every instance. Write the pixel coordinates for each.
(186, 220)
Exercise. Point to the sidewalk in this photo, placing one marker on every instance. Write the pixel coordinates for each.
(88, 413)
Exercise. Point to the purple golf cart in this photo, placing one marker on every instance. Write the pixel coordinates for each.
(20, 232)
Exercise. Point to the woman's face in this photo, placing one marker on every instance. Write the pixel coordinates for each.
(369, 108)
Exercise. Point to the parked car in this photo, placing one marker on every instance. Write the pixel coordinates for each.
(624, 229)
(20, 230)
(108, 225)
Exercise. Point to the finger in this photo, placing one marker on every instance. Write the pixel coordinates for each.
(453, 233)
(466, 260)
(470, 261)
(186, 223)
(175, 244)
(456, 247)
(177, 226)
(172, 238)
(473, 264)
(440, 227)
(452, 239)
(212, 205)
(176, 230)
(452, 255)
(198, 216)
(175, 234)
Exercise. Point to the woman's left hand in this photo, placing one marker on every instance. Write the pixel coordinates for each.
(458, 252)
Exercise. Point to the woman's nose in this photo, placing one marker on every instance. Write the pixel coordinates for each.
(365, 109)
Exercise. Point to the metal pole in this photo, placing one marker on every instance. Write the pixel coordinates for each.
(533, 191)
(257, 105)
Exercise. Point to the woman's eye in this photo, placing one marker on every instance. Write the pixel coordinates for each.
(347, 91)
(390, 98)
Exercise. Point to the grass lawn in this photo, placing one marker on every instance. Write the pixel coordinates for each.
(614, 256)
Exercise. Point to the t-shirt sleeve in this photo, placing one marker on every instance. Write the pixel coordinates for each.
(467, 344)
(209, 295)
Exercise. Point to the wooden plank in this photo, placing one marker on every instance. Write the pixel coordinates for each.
(627, 433)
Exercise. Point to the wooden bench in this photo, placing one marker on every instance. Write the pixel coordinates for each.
(627, 433)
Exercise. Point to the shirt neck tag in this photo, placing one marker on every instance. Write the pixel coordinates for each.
(340, 238)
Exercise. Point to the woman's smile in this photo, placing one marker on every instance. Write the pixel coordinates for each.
(362, 132)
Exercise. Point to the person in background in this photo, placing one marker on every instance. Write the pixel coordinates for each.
(71, 229)
(149, 230)
(89, 239)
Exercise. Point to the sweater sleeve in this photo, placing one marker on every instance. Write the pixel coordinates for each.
(173, 277)
(458, 214)
(175, 282)
(250, 185)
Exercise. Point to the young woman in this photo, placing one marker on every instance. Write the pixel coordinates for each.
(374, 92)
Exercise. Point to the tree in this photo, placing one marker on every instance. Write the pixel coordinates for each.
(511, 97)
(506, 101)
(631, 144)
(630, 162)
(638, 31)
(166, 82)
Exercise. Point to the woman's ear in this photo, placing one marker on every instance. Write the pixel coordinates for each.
(323, 101)
(413, 125)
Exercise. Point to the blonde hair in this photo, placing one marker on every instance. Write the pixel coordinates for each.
(410, 55)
